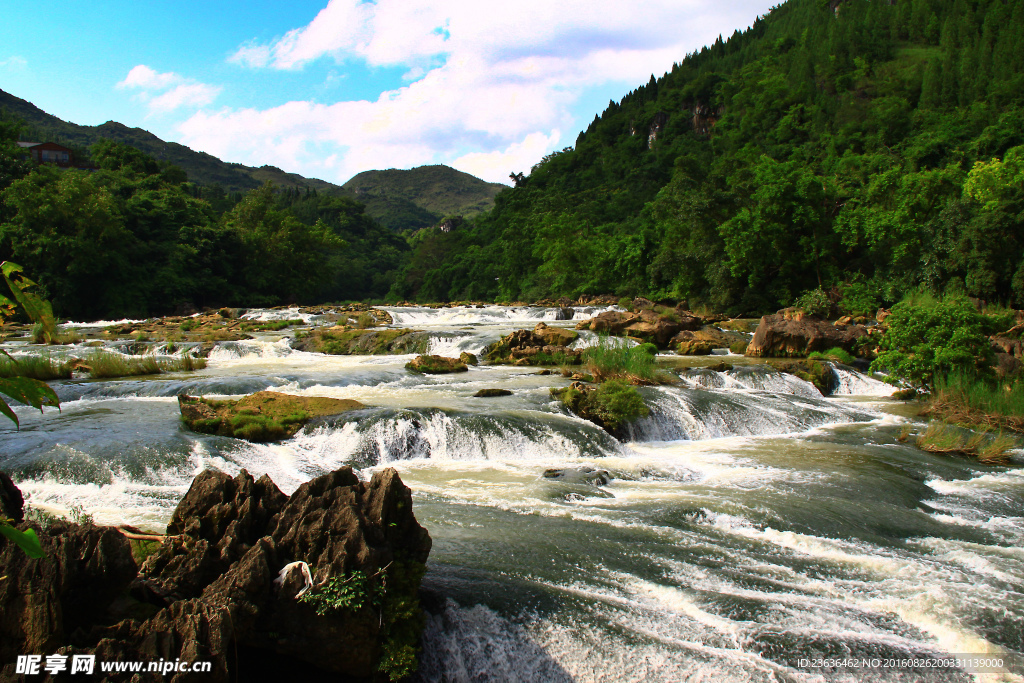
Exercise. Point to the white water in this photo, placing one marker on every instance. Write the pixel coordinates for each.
(747, 521)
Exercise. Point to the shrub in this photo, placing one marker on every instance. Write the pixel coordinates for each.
(929, 338)
(609, 406)
(815, 302)
(626, 303)
(366, 321)
(859, 298)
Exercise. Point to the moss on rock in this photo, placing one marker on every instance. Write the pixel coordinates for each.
(263, 416)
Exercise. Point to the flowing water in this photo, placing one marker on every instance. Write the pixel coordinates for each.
(747, 524)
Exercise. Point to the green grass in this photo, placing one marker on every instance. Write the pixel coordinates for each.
(42, 367)
(609, 360)
(104, 364)
(837, 355)
(609, 406)
(989, 448)
(271, 326)
(968, 400)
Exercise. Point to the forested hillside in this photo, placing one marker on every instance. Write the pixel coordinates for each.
(134, 239)
(864, 147)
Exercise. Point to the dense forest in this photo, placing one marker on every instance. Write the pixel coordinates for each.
(866, 148)
(135, 238)
(863, 149)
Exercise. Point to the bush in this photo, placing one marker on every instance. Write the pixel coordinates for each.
(859, 298)
(815, 302)
(609, 406)
(366, 321)
(929, 338)
(626, 303)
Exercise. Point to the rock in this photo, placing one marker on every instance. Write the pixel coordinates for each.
(263, 416)
(882, 315)
(12, 505)
(818, 373)
(640, 303)
(1007, 365)
(542, 346)
(343, 341)
(791, 333)
(488, 393)
(554, 336)
(468, 358)
(435, 365)
(694, 348)
(580, 475)
(1008, 346)
(342, 527)
(42, 602)
(565, 313)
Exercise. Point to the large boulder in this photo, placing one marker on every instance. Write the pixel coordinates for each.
(263, 416)
(790, 333)
(228, 581)
(435, 365)
(540, 346)
(12, 505)
(647, 324)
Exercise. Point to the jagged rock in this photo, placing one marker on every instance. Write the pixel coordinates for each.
(435, 365)
(612, 322)
(12, 505)
(489, 393)
(641, 303)
(646, 324)
(791, 333)
(43, 601)
(1008, 345)
(1007, 365)
(468, 358)
(694, 347)
(226, 600)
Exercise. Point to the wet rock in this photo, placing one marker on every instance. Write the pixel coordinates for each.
(231, 539)
(542, 346)
(12, 505)
(791, 333)
(435, 365)
(345, 341)
(261, 417)
(468, 358)
(694, 348)
(43, 601)
(580, 475)
(646, 324)
(565, 313)
(488, 393)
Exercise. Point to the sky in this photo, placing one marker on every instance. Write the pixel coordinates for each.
(330, 88)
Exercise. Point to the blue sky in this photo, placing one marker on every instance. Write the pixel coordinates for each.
(329, 88)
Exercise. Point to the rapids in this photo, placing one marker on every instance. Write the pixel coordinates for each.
(747, 524)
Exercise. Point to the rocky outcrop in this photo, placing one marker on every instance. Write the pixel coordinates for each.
(435, 365)
(542, 346)
(263, 416)
(646, 324)
(790, 333)
(344, 341)
(234, 577)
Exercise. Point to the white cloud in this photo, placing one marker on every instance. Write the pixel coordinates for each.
(14, 63)
(164, 92)
(490, 85)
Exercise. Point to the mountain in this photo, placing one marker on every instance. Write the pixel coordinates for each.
(398, 199)
(845, 149)
(421, 196)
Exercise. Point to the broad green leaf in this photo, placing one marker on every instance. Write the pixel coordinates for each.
(36, 307)
(31, 392)
(26, 540)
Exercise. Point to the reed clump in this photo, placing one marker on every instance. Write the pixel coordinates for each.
(107, 364)
(984, 445)
(613, 360)
(42, 367)
(969, 400)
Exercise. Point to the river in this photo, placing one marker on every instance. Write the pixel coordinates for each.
(747, 524)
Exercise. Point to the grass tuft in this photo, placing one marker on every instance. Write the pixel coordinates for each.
(42, 367)
(611, 360)
(968, 400)
(836, 355)
(986, 447)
